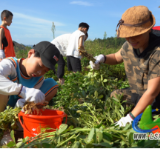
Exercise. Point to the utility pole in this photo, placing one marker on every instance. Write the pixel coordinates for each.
(53, 28)
(105, 35)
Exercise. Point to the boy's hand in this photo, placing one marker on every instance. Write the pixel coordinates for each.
(20, 103)
(61, 81)
(32, 95)
(2, 54)
(124, 120)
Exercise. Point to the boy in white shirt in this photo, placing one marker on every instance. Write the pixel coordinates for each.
(61, 42)
(76, 41)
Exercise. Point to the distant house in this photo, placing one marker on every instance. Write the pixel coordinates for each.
(156, 30)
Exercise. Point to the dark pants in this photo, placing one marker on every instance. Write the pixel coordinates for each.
(133, 98)
(155, 104)
(60, 69)
(73, 64)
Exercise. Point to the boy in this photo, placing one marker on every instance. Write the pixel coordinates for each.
(61, 42)
(141, 56)
(23, 78)
(6, 44)
(76, 41)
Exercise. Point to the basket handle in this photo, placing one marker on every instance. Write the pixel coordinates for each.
(20, 114)
(65, 115)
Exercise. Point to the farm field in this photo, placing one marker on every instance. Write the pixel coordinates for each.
(85, 98)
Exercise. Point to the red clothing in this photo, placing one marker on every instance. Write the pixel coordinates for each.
(9, 50)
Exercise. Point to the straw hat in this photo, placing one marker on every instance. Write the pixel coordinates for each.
(135, 21)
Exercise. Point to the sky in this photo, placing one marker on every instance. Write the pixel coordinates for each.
(32, 19)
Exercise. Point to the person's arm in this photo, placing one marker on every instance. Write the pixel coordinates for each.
(2, 54)
(114, 58)
(80, 42)
(1, 37)
(148, 97)
(7, 87)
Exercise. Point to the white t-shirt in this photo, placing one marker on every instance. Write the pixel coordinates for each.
(72, 49)
(7, 87)
(61, 42)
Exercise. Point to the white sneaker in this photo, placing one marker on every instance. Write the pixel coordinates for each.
(6, 138)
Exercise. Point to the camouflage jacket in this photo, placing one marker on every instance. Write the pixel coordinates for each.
(141, 68)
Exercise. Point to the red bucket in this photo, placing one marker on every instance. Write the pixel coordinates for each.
(33, 123)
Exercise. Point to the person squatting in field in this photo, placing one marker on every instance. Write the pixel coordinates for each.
(141, 56)
(76, 41)
(6, 43)
(61, 42)
(22, 80)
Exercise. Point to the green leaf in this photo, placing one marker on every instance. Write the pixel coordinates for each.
(107, 136)
(115, 99)
(101, 96)
(99, 135)
(79, 111)
(96, 94)
(101, 77)
(128, 125)
(103, 144)
(12, 135)
(150, 143)
(11, 144)
(62, 128)
(105, 80)
(131, 139)
(76, 144)
(91, 135)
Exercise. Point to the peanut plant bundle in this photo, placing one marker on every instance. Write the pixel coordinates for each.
(29, 107)
(84, 53)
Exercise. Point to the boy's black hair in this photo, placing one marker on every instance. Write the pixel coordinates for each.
(36, 54)
(6, 13)
(86, 34)
(84, 25)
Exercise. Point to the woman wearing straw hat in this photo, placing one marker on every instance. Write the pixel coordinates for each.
(141, 56)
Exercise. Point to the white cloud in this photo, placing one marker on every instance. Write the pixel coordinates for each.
(32, 30)
(36, 20)
(81, 3)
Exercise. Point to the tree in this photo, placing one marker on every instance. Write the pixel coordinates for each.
(105, 35)
(53, 28)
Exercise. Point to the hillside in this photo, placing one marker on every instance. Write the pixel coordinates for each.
(21, 50)
(18, 47)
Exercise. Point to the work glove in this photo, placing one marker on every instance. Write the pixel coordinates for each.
(94, 66)
(20, 103)
(99, 59)
(32, 95)
(124, 120)
(2, 54)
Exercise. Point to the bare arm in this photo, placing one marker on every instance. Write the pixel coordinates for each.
(148, 97)
(114, 58)
(80, 42)
(1, 36)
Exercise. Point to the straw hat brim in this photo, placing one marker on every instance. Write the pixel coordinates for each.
(130, 31)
